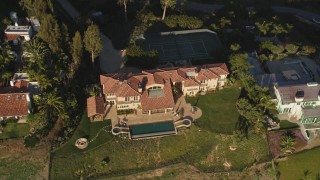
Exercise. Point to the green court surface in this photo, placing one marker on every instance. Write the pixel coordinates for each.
(182, 45)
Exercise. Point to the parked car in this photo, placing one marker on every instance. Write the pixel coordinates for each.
(316, 20)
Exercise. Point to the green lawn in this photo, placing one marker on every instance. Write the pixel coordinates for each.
(205, 149)
(297, 165)
(13, 130)
(219, 112)
(285, 124)
(16, 168)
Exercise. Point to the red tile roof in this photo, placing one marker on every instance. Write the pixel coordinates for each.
(13, 102)
(190, 82)
(21, 83)
(95, 105)
(125, 85)
(165, 101)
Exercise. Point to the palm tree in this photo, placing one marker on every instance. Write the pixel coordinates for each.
(167, 4)
(50, 104)
(6, 77)
(287, 144)
(124, 4)
(37, 50)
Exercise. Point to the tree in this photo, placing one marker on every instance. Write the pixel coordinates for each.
(235, 47)
(6, 77)
(287, 144)
(307, 50)
(36, 8)
(76, 52)
(224, 22)
(124, 4)
(37, 51)
(167, 4)
(92, 41)
(36, 121)
(250, 112)
(291, 48)
(263, 28)
(49, 104)
(50, 33)
(239, 64)
(5, 57)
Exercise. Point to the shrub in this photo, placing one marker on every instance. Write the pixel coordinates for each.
(125, 111)
(183, 21)
(30, 141)
(139, 57)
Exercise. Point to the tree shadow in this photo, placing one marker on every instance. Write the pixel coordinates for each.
(243, 126)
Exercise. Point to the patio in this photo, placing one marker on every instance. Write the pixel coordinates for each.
(140, 118)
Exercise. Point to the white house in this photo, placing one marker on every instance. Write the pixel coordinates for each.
(301, 102)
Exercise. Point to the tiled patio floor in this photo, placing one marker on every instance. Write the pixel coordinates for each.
(139, 118)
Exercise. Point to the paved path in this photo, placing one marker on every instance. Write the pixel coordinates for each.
(110, 58)
(69, 8)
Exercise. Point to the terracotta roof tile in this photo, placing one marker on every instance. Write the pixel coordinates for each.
(190, 82)
(165, 101)
(95, 105)
(21, 83)
(13, 102)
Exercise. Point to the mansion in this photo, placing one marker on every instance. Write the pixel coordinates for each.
(152, 91)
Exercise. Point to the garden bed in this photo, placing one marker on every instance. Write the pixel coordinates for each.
(274, 138)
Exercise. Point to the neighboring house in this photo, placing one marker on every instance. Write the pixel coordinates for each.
(301, 102)
(14, 102)
(16, 33)
(22, 80)
(152, 90)
(95, 106)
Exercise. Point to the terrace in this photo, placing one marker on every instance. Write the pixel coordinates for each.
(140, 118)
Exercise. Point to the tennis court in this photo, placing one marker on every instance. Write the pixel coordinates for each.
(180, 49)
(182, 45)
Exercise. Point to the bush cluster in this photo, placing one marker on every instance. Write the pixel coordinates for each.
(183, 21)
(125, 111)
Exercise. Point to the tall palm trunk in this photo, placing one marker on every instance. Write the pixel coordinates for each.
(125, 11)
(164, 11)
(92, 58)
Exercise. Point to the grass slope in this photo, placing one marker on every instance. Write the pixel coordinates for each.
(219, 112)
(196, 145)
(13, 130)
(297, 165)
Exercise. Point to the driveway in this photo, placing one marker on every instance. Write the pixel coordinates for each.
(110, 58)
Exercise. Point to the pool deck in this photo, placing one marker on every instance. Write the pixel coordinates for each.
(139, 118)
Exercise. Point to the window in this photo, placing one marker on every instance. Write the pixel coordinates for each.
(136, 98)
(127, 99)
(203, 81)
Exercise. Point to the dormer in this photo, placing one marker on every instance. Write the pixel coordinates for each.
(299, 96)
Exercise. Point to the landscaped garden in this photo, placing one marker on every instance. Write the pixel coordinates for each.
(13, 130)
(304, 165)
(206, 148)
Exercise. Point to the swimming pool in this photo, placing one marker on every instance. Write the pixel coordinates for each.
(152, 129)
